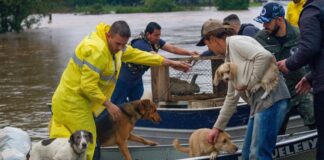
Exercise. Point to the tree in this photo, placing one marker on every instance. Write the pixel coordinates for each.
(232, 4)
(160, 5)
(17, 14)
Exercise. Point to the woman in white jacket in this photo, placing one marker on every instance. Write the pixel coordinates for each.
(266, 115)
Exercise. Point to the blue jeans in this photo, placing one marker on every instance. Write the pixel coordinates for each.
(262, 131)
(127, 91)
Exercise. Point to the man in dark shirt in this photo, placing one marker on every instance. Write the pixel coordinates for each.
(129, 85)
(311, 52)
(246, 29)
(281, 38)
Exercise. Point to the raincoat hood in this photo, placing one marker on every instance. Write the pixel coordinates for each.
(101, 30)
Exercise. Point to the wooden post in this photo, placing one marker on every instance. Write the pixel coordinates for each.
(160, 83)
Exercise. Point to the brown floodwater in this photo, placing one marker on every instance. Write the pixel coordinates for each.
(31, 62)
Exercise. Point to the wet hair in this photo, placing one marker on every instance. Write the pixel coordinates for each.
(151, 27)
(121, 28)
(221, 33)
(231, 19)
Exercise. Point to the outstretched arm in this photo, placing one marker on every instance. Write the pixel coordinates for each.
(178, 65)
(180, 51)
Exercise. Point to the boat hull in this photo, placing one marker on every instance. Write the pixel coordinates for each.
(296, 146)
(166, 136)
(194, 118)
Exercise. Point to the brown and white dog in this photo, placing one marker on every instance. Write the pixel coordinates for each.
(199, 146)
(228, 72)
(73, 148)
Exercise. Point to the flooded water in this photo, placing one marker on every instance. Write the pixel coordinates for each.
(31, 62)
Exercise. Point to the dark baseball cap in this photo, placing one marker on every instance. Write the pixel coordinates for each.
(270, 11)
(208, 26)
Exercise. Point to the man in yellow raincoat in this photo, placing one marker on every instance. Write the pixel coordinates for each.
(89, 79)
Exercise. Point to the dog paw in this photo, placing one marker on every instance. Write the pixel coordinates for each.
(255, 88)
(213, 156)
(151, 143)
(265, 95)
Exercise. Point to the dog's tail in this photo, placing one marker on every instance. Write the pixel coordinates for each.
(180, 148)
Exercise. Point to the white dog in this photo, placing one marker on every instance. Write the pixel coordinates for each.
(228, 72)
(63, 148)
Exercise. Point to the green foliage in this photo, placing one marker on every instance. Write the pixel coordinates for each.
(232, 4)
(160, 5)
(17, 14)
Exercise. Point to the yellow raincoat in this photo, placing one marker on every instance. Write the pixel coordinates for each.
(88, 80)
(293, 12)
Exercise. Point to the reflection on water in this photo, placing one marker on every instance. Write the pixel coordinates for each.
(31, 62)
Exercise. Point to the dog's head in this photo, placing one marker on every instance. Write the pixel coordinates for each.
(224, 143)
(148, 110)
(79, 140)
(226, 72)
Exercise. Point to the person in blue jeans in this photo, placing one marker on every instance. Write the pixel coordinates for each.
(129, 85)
(252, 60)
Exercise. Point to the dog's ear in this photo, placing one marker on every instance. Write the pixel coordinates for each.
(221, 138)
(233, 70)
(217, 77)
(71, 140)
(146, 102)
(90, 137)
(143, 104)
(146, 105)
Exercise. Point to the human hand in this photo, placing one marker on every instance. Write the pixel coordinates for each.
(282, 66)
(241, 88)
(113, 110)
(181, 66)
(303, 86)
(213, 135)
(194, 54)
(178, 65)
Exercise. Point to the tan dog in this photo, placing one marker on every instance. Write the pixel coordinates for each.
(199, 146)
(120, 131)
(228, 72)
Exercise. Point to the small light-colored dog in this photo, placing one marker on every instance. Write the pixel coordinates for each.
(73, 148)
(228, 72)
(199, 146)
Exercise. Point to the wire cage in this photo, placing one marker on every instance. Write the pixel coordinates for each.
(170, 85)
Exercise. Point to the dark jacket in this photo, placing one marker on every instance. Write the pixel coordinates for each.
(282, 51)
(311, 46)
(248, 29)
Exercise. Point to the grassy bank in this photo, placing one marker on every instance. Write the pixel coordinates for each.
(109, 9)
(105, 9)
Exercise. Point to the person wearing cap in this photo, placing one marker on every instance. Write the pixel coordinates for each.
(281, 39)
(233, 21)
(246, 29)
(89, 79)
(129, 85)
(311, 52)
(294, 9)
(267, 115)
